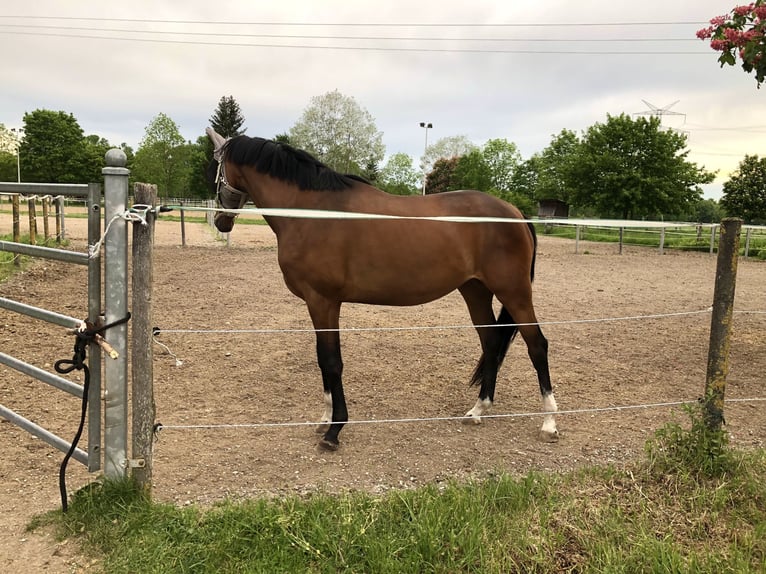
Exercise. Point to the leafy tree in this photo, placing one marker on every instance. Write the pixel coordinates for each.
(633, 168)
(398, 176)
(445, 148)
(162, 158)
(555, 165)
(341, 133)
(525, 178)
(502, 159)
(442, 177)
(740, 33)
(54, 150)
(472, 172)
(94, 150)
(744, 195)
(227, 119)
(706, 211)
(8, 147)
(7, 166)
(283, 138)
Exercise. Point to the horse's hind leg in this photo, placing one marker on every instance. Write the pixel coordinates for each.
(521, 309)
(479, 301)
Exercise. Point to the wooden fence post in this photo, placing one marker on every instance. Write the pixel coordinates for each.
(183, 225)
(46, 227)
(32, 221)
(720, 324)
(16, 226)
(142, 355)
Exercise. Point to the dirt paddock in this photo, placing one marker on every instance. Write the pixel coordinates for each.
(231, 380)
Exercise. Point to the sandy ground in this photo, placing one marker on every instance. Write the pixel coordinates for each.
(229, 380)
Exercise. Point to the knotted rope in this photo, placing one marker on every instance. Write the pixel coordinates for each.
(86, 334)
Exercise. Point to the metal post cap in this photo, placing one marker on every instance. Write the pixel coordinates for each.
(116, 158)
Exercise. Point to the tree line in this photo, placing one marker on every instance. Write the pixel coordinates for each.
(623, 167)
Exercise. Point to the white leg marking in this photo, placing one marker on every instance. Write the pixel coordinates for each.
(481, 407)
(549, 432)
(326, 419)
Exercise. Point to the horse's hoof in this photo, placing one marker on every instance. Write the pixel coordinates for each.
(471, 419)
(328, 445)
(322, 428)
(549, 436)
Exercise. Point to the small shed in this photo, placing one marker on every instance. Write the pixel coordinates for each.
(552, 208)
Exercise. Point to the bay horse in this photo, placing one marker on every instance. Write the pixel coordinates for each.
(327, 262)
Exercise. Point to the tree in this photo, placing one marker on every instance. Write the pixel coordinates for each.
(8, 149)
(162, 158)
(445, 148)
(744, 195)
(399, 177)
(472, 172)
(740, 33)
(555, 165)
(340, 133)
(502, 159)
(633, 168)
(442, 177)
(54, 150)
(283, 138)
(227, 118)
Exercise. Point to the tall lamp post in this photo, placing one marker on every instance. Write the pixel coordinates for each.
(18, 133)
(426, 126)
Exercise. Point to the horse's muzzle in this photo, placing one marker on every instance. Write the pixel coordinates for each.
(223, 222)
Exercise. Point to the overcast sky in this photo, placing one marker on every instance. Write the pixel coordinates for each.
(560, 65)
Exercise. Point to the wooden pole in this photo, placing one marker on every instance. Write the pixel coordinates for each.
(32, 221)
(183, 226)
(46, 228)
(142, 355)
(720, 325)
(16, 226)
(57, 203)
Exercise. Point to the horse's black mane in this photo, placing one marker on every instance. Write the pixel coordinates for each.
(282, 161)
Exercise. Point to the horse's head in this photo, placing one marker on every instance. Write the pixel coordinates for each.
(227, 197)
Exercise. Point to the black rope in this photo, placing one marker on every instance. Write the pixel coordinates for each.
(77, 363)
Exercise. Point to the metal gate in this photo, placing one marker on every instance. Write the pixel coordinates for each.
(115, 307)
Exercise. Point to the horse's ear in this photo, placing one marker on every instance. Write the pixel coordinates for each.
(218, 141)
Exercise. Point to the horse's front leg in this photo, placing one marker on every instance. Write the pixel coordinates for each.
(325, 316)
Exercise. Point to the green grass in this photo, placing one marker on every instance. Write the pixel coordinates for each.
(682, 238)
(665, 514)
(7, 266)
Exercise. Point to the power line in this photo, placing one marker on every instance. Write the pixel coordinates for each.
(336, 37)
(360, 48)
(366, 24)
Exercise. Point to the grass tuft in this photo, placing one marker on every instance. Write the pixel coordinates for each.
(662, 515)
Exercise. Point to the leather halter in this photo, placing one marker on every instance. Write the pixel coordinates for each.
(224, 190)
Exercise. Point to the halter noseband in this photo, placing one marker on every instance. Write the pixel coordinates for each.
(225, 191)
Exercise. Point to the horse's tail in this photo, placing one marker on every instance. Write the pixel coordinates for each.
(509, 330)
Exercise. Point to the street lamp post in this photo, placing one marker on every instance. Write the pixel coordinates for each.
(19, 133)
(426, 126)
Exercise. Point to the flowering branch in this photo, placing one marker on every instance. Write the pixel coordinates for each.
(740, 33)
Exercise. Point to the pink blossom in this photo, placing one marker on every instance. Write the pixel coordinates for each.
(720, 45)
(705, 33)
(760, 11)
(718, 20)
(743, 10)
(734, 37)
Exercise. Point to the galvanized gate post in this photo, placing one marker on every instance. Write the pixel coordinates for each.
(116, 308)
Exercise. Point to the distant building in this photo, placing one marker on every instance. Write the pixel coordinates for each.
(552, 208)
